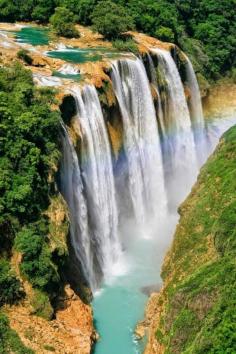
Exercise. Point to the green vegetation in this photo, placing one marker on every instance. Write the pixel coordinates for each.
(82, 9)
(110, 19)
(23, 54)
(9, 340)
(165, 34)
(49, 348)
(41, 305)
(126, 45)
(200, 269)
(37, 264)
(9, 284)
(30, 152)
(63, 23)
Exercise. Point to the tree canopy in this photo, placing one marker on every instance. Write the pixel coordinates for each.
(110, 19)
(63, 22)
(29, 152)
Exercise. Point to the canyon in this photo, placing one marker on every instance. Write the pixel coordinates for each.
(133, 140)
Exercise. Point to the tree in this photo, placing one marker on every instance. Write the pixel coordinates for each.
(9, 284)
(111, 20)
(63, 21)
(165, 34)
(81, 8)
(28, 156)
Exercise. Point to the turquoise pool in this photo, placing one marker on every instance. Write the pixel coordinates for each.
(121, 303)
(33, 35)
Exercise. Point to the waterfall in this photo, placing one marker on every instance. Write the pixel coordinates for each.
(141, 139)
(88, 187)
(196, 113)
(160, 158)
(153, 77)
(97, 173)
(179, 153)
(73, 192)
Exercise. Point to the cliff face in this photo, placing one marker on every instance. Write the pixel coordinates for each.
(67, 327)
(194, 312)
(221, 99)
(70, 332)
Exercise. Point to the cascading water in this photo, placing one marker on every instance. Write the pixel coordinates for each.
(94, 231)
(97, 170)
(179, 153)
(153, 78)
(151, 140)
(196, 113)
(73, 192)
(141, 140)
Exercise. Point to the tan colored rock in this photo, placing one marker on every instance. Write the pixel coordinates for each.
(145, 42)
(71, 332)
(221, 100)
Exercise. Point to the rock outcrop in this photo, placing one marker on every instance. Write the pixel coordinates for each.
(69, 333)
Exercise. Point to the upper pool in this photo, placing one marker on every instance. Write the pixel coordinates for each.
(41, 36)
(82, 55)
(33, 35)
(76, 55)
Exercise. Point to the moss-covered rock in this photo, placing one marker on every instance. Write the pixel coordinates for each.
(41, 305)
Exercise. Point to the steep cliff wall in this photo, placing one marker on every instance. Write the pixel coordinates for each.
(194, 312)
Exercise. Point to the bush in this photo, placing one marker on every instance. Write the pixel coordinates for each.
(126, 45)
(63, 21)
(23, 54)
(10, 286)
(37, 264)
(111, 20)
(41, 305)
(165, 34)
(81, 8)
(233, 75)
(28, 156)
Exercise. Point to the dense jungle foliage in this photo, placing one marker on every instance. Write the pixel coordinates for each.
(205, 29)
(200, 271)
(29, 154)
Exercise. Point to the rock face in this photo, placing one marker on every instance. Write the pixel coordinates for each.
(220, 100)
(71, 332)
(71, 329)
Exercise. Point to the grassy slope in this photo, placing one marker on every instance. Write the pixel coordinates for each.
(200, 269)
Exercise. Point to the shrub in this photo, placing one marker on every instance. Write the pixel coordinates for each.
(126, 45)
(63, 21)
(111, 20)
(81, 8)
(23, 54)
(233, 75)
(10, 290)
(165, 34)
(37, 264)
(41, 305)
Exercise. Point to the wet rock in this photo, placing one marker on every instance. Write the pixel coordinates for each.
(149, 289)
